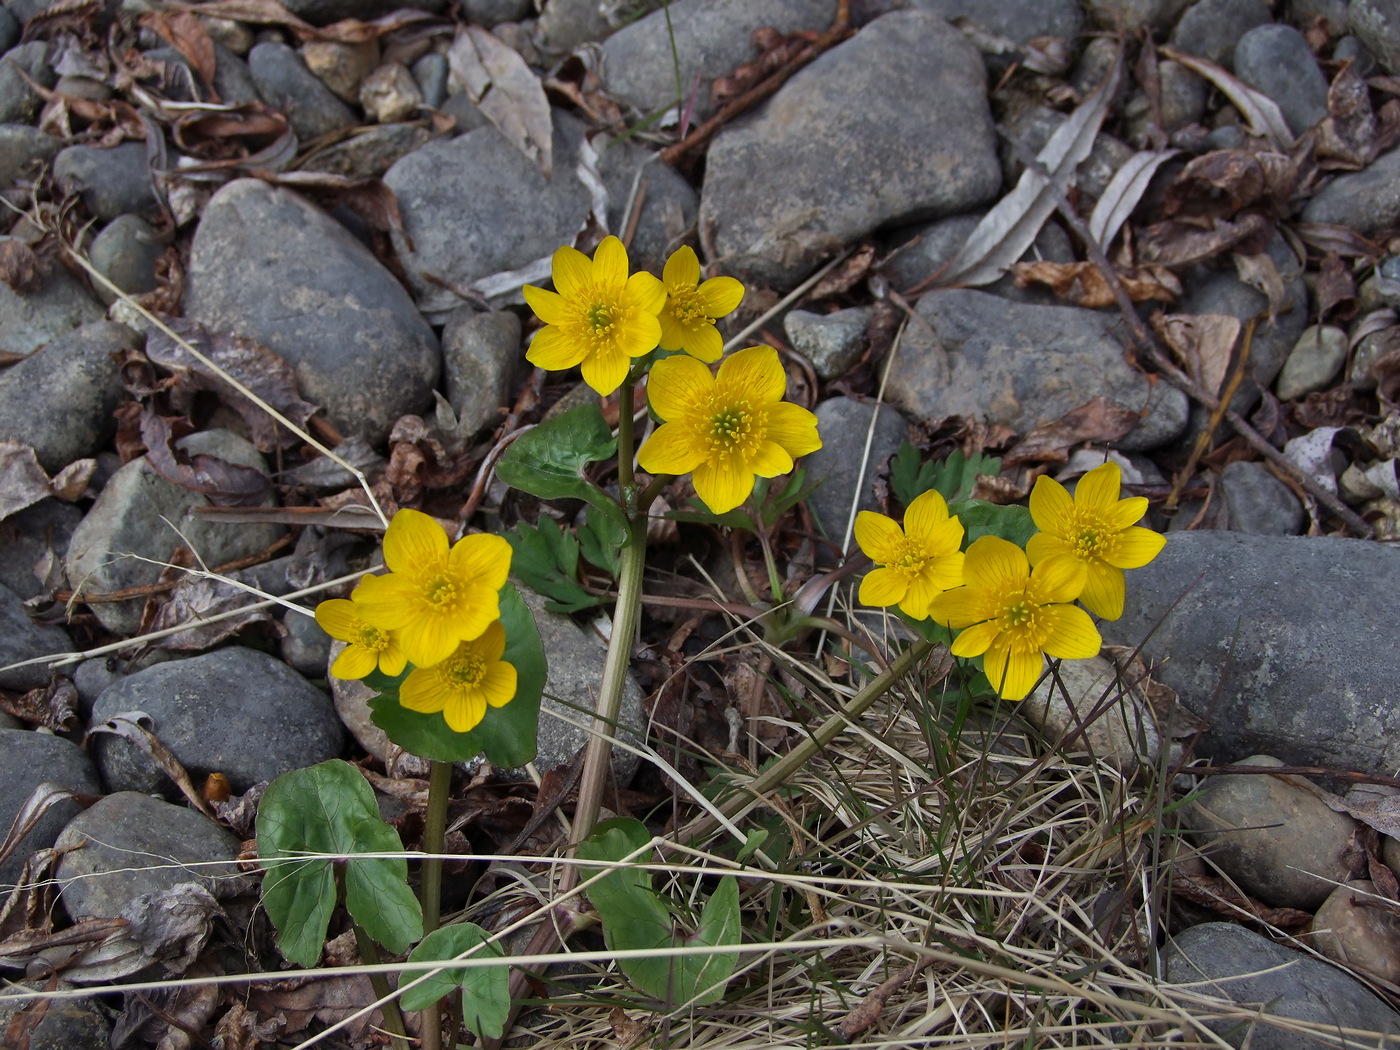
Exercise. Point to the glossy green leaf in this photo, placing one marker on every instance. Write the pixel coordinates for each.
(485, 989)
(601, 541)
(506, 734)
(549, 460)
(953, 478)
(545, 559)
(329, 808)
(980, 518)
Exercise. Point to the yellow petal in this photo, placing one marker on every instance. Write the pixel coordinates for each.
(464, 710)
(918, 596)
(1135, 547)
(645, 293)
(754, 372)
(549, 307)
(976, 639)
(1059, 579)
(414, 543)
(387, 601)
(1099, 488)
(673, 334)
(429, 639)
(721, 295)
(676, 385)
(483, 559)
(882, 587)
(682, 269)
(339, 618)
(1016, 672)
(392, 660)
(670, 450)
(1126, 512)
(355, 662)
(553, 350)
(959, 607)
(1051, 508)
(641, 335)
(481, 607)
(1046, 545)
(499, 685)
(1073, 635)
(1104, 590)
(993, 563)
(492, 643)
(722, 484)
(944, 539)
(879, 537)
(572, 272)
(423, 691)
(923, 516)
(794, 428)
(605, 369)
(704, 344)
(610, 264)
(769, 460)
(945, 571)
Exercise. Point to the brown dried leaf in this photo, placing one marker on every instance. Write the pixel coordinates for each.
(1083, 283)
(40, 801)
(197, 599)
(127, 725)
(496, 78)
(1096, 420)
(165, 1017)
(1259, 111)
(327, 999)
(1176, 244)
(1336, 288)
(1348, 132)
(186, 33)
(22, 481)
(854, 269)
(53, 706)
(1203, 343)
(241, 1029)
(20, 266)
(1224, 181)
(1218, 895)
(1123, 193)
(1259, 272)
(1346, 242)
(219, 481)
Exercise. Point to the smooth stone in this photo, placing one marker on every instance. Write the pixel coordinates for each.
(63, 1024)
(94, 675)
(126, 253)
(1368, 201)
(269, 265)
(1351, 48)
(235, 711)
(1020, 21)
(133, 844)
(1302, 13)
(32, 759)
(305, 647)
(1259, 503)
(24, 151)
(76, 370)
(30, 539)
(35, 318)
(835, 468)
(135, 517)
(1211, 28)
(1276, 61)
(920, 251)
(456, 197)
(482, 355)
(1368, 353)
(840, 132)
(23, 639)
(10, 30)
(286, 84)
(1239, 821)
(19, 103)
(369, 153)
(233, 80)
(1182, 97)
(1229, 961)
(341, 67)
(1022, 365)
(466, 115)
(112, 182)
(1314, 362)
(234, 37)
(1132, 15)
(85, 87)
(670, 205)
(1286, 640)
(711, 37)
(390, 94)
(832, 342)
(1030, 128)
(567, 24)
(1365, 936)
(1122, 730)
(491, 13)
(1377, 24)
(431, 73)
(324, 12)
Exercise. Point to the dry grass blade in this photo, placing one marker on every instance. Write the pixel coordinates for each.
(1261, 112)
(1124, 191)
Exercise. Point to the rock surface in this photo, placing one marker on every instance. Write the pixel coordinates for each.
(840, 469)
(22, 639)
(32, 759)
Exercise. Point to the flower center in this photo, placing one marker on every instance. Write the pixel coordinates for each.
(911, 559)
(1021, 619)
(602, 317)
(732, 427)
(688, 309)
(465, 671)
(372, 638)
(439, 592)
(1090, 537)
(599, 317)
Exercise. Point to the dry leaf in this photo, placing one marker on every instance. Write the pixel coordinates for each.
(1348, 132)
(1096, 420)
(20, 267)
(165, 1017)
(1336, 288)
(1203, 344)
(1083, 283)
(197, 599)
(186, 33)
(1259, 271)
(503, 87)
(1123, 193)
(1176, 244)
(1226, 180)
(127, 725)
(53, 706)
(22, 481)
(1259, 111)
(326, 999)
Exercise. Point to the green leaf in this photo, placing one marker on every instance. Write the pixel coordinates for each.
(485, 989)
(549, 460)
(635, 917)
(546, 560)
(329, 808)
(953, 478)
(506, 734)
(981, 518)
(601, 539)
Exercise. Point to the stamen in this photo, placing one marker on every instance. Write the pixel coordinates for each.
(466, 671)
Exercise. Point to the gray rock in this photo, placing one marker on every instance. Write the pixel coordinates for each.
(63, 1024)
(832, 342)
(1368, 201)
(431, 73)
(466, 115)
(566, 24)
(1303, 13)
(1211, 28)
(22, 639)
(126, 253)
(30, 538)
(670, 204)
(111, 182)
(1367, 354)
(712, 37)
(32, 759)
(369, 153)
(1351, 929)
(305, 647)
(1259, 503)
(269, 265)
(94, 675)
(840, 131)
(1377, 23)
(286, 84)
(1132, 15)
(1023, 365)
(1351, 48)
(75, 371)
(133, 844)
(1277, 839)
(1285, 639)
(1182, 95)
(390, 94)
(836, 467)
(323, 12)
(1276, 60)
(341, 67)
(1105, 717)
(1314, 362)
(138, 512)
(918, 252)
(457, 198)
(19, 103)
(490, 13)
(234, 711)
(9, 30)
(1018, 20)
(482, 355)
(24, 151)
(33, 319)
(1273, 981)
(233, 80)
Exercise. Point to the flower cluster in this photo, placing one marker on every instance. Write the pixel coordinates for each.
(726, 429)
(438, 609)
(1012, 606)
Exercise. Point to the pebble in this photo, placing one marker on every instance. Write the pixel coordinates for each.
(1231, 962)
(452, 194)
(918, 252)
(112, 182)
(23, 639)
(269, 265)
(226, 33)
(669, 204)
(126, 253)
(1259, 503)
(24, 151)
(1283, 639)
(10, 30)
(390, 94)
(369, 152)
(1019, 21)
(19, 103)
(62, 1024)
(1354, 929)
(137, 513)
(1314, 362)
(234, 711)
(1111, 723)
(490, 13)
(324, 12)
(482, 357)
(567, 24)
(1022, 365)
(133, 844)
(1276, 60)
(233, 80)
(1182, 95)
(341, 67)
(93, 675)
(430, 72)
(1377, 24)
(1368, 201)
(836, 467)
(32, 759)
(1132, 15)
(74, 370)
(832, 342)
(1362, 61)
(30, 538)
(1211, 28)
(1302, 13)
(286, 84)
(840, 131)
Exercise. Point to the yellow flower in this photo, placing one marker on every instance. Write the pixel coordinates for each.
(688, 319)
(1013, 614)
(727, 428)
(369, 646)
(599, 318)
(914, 563)
(1097, 528)
(463, 685)
(433, 597)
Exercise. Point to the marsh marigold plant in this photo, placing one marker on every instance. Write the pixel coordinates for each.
(464, 685)
(692, 307)
(916, 563)
(367, 647)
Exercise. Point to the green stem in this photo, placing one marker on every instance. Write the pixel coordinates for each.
(393, 1019)
(430, 889)
(626, 477)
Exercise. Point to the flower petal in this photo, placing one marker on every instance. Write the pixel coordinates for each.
(945, 571)
(676, 385)
(605, 369)
(682, 269)
(424, 691)
(918, 596)
(722, 483)
(959, 607)
(387, 601)
(492, 644)
(769, 460)
(721, 295)
(704, 344)
(879, 536)
(339, 618)
(1134, 547)
(355, 662)
(1073, 635)
(464, 710)
(641, 335)
(923, 516)
(1017, 674)
(1046, 545)
(644, 292)
(945, 539)
(993, 563)
(482, 558)
(1059, 579)
(428, 640)
(414, 543)
(673, 333)
(1051, 508)
(1099, 488)
(670, 450)
(610, 264)
(572, 272)
(754, 372)
(550, 307)
(976, 639)
(1104, 590)
(882, 587)
(553, 350)
(392, 660)
(793, 427)
(499, 685)
(1126, 512)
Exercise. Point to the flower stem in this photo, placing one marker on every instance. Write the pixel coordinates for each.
(430, 889)
(626, 477)
(393, 1019)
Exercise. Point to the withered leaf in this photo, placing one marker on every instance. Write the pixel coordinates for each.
(1259, 111)
(1084, 284)
(327, 999)
(186, 33)
(1224, 181)
(20, 267)
(1218, 895)
(127, 725)
(507, 91)
(1348, 132)
(1203, 344)
(219, 481)
(1123, 193)
(1176, 243)
(23, 481)
(1336, 287)
(241, 1029)
(53, 706)
(851, 272)
(194, 601)
(165, 1017)
(1095, 420)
